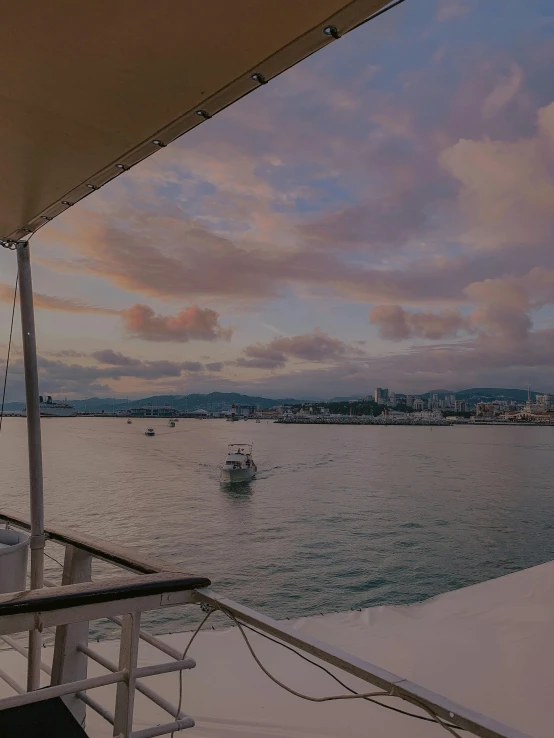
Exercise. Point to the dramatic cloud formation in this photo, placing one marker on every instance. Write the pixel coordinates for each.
(398, 324)
(191, 324)
(126, 366)
(407, 171)
(507, 186)
(110, 368)
(316, 347)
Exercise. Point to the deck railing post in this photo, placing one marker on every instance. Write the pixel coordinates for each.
(69, 663)
(35, 449)
(128, 655)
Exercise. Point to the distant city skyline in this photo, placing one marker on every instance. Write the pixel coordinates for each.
(381, 396)
(379, 215)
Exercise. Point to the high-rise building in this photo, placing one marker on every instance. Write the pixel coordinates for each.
(392, 399)
(544, 402)
(418, 403)
(381, 396)
(409, 400)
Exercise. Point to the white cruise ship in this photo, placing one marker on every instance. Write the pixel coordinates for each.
(50, 408)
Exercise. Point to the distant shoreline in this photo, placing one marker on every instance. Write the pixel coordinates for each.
(416, 422)
(355, 420)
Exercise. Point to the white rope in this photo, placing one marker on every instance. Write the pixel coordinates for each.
(367, 696)
(189, 644)
(302, 696)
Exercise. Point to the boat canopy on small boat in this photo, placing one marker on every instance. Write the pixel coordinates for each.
(239, 465)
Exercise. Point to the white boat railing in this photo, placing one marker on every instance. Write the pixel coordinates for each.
(69, 609)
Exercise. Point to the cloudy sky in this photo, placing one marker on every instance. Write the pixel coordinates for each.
(380, 215)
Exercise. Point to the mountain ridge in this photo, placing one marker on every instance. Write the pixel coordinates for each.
(222, 400)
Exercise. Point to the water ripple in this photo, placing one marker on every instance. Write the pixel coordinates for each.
(338, 517)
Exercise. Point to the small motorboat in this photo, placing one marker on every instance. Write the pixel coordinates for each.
(258, 420)
(171, 424)
(129, 422)
(239, 465)
(149, 432)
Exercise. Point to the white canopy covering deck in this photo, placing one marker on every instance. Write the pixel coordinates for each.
(87, 90)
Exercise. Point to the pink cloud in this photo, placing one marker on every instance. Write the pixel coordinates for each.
(500, 291)
(507, 187)
(449, 9)
(503, 324)
(397, 324)
(316, 347)
(191, 324)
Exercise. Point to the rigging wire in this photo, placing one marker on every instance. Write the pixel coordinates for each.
(8, 354)
(59, 563)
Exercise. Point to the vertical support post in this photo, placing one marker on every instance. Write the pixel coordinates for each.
(125, 696)
(69, 663)
(35, 449)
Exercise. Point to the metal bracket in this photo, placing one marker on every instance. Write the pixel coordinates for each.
(8, 243)
(175, 598)
(39, 625)
(36, 542)
(207, 608)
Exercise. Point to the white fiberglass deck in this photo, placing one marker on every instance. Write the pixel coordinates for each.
(489, 647)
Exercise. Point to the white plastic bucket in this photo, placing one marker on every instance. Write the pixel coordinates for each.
(14, 549)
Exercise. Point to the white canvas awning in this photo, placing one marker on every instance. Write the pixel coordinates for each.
(87, 88)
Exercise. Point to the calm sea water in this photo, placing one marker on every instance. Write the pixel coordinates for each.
(338, 518)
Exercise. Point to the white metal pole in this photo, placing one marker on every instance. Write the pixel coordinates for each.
(35, 448)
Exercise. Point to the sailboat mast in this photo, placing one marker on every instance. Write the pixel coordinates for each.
(34, 446)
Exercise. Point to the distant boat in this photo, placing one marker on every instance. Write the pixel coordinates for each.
(258, 420)
(171, 424)
(49, 408)
(129, 422)
(149, 432)
(239, 465)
